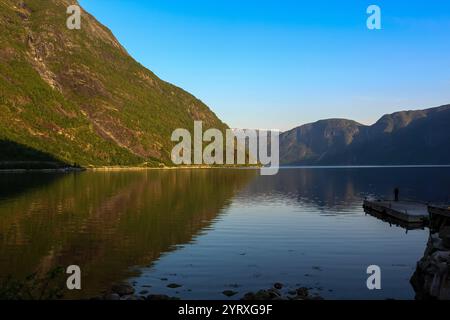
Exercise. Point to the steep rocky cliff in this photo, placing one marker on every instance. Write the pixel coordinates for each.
(77, 96)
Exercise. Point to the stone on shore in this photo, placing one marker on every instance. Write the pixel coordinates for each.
(302, 292)
(122, 289)
(278, 286)
(229, 293)
(431, 280)
(275, 294)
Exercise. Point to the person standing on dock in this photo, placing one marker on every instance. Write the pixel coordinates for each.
(396, 194)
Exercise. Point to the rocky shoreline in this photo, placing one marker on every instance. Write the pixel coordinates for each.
(125, 291)
(431, 280)
(275, 293)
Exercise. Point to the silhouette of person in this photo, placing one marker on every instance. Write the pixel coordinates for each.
(396, 193)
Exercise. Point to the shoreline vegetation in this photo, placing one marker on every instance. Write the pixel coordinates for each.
(46, 166)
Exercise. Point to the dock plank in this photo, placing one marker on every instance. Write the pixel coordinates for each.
(411, 212)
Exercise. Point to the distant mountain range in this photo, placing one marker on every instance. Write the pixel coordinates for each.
(77, 96)
(403, 138)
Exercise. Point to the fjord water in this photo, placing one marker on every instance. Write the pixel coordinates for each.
(215, 230)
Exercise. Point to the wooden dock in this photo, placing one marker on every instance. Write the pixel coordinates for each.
(439, 210)
(439, 216)
(408, 212)
(396, 222)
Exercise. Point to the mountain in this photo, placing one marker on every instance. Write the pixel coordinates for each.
(77, 96)
(402, 138)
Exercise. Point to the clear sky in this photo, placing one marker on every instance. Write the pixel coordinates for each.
(282, 63)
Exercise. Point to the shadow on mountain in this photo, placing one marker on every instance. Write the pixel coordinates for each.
(14, 155)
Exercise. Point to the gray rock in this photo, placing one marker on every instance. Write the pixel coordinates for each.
(274, 293)
(229, 293)
(263, 295)
(122, 289)
(249, 296)
(278, 286)
(303, 292)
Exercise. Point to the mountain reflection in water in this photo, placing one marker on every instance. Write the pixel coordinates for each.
(215, 230)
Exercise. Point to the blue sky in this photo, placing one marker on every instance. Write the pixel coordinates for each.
(282, 63)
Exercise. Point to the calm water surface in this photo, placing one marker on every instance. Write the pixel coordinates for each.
(216, 230)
